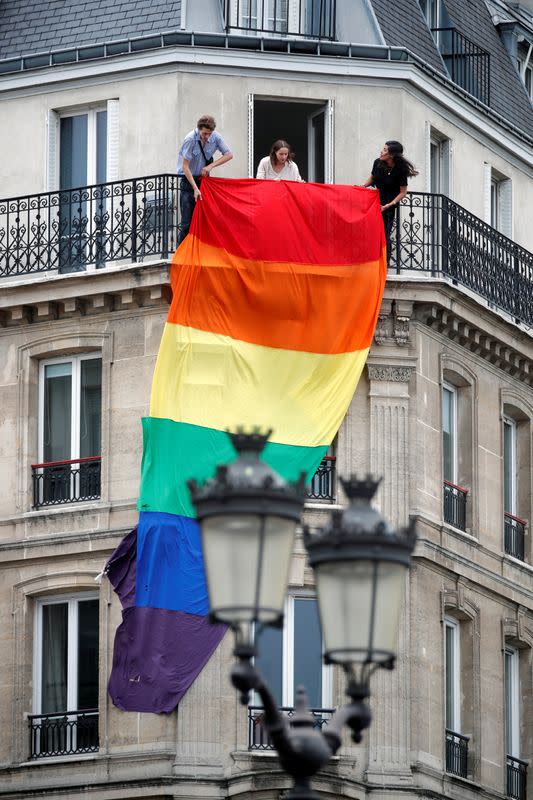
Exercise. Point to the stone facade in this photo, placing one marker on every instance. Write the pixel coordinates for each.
(432, 332)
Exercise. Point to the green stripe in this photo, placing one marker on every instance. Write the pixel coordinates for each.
(175, 451)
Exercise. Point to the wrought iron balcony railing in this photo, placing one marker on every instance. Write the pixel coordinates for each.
(435, 236)
(138, 218)
(63, 734)
(516, 783)
(322, 486)
(59, 482)
(457, 753)
(72, 229)
(467, 63)
(258, 738)
(313, 19)
(514, 534)
(455, 505)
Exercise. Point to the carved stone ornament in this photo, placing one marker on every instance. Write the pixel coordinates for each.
(389, 373)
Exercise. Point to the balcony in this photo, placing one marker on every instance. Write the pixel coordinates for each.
(59, 482)
(468, 64)
(457, 753)
(439, 238)
(516, 783)
(89, 227)
(455, 505)
(314, 19)
(258, 738)
(136, 220)
(63, 734)
(322, 486)
(514, 530)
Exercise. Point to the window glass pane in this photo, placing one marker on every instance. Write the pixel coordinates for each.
(90, 407)
(101, 146)
(308, 650)
(73, 152)
(54, 664)
(88, 654)
(451, 677)
(57, 412)
(448, 435)
(269, 660)
(508, 468)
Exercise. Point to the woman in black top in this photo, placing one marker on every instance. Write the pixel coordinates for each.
(389, 175)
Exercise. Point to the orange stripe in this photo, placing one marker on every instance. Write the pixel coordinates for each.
(271, 303)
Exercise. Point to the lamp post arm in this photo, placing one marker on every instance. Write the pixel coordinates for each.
(355, 715)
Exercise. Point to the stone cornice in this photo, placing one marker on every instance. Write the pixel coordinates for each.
(84, 294)
(475, 339)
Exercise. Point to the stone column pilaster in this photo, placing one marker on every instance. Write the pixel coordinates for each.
(389, 734)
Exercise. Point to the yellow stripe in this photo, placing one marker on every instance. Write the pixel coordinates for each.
(215, 381)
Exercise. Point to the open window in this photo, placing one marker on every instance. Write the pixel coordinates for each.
(306, 125)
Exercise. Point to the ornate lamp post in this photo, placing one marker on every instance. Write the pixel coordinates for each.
(248, 516)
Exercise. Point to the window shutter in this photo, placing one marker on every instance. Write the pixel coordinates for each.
(52, 151)
(447, 163)
(428, 157)
(506, 207)
(112, 140)
(329, 177)
(251, 173)
(487, 175)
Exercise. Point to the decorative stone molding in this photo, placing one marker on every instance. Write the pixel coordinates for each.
(478, 341)
(395, 374)
(393, 323)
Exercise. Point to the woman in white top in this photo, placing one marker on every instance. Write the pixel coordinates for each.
(279, 166)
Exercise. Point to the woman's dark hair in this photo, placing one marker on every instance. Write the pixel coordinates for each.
(278, 144)
(396, 151)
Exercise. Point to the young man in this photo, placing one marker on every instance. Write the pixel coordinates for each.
(195, 161)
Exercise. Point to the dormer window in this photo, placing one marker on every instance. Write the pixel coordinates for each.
(310, 18)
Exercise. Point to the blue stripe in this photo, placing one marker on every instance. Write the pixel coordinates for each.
(170, 566)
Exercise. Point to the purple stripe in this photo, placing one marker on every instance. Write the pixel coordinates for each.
(121, 569)
(157, 656)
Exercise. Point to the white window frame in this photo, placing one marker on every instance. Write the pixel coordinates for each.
(287, 658)
(112, 144)
(498, 200)
(511, 424)
(434, 138)
(75, 420)
(512, 709)
(448, 387)
(327, 107)
(72, 601)
(452, 624)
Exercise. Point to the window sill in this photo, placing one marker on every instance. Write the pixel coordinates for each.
(517, 562)
(66, 508)
(446, 527)
(40, 762)
(320, 506)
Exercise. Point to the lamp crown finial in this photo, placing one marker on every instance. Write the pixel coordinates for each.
(360, 488)
(252, 441)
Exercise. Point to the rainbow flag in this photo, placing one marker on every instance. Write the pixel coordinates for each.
(276, 293)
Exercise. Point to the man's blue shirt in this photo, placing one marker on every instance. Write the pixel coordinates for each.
(190, 149)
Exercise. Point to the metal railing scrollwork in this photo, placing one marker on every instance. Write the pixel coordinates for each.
(258, 738)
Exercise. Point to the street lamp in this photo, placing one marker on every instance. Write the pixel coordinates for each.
(248, 516)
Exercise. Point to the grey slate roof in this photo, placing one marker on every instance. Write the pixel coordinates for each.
(507, 93)
(406, 27)
(31, 26)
